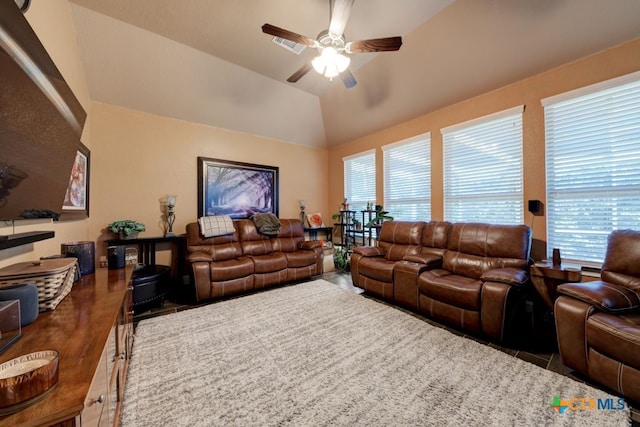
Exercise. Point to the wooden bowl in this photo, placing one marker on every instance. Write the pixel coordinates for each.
(23, 380)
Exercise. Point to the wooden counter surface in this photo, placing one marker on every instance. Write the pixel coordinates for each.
(78, 329)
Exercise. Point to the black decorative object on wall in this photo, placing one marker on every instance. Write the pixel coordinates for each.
(236, 189)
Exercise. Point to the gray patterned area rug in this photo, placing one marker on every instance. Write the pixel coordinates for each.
(313, 354)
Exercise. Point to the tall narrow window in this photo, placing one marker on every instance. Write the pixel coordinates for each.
(360, 179)
(593, 166)
(483, 169)
(407, 179)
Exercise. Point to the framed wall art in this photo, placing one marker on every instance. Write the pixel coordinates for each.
(76, 198)
(236, 189)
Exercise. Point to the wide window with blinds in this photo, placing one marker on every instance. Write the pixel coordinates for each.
(593, 166)
(360, 179)
(407, 179)
(483, 169)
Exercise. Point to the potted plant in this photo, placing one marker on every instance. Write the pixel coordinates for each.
(126, 229)
(381, 216)
(357, 224)
(345, 204)
(341, 258)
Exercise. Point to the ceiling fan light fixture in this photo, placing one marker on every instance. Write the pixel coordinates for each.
(330, 63)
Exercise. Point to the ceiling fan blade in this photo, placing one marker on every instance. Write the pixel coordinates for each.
(286, 34)
(386, 44)
(340, 11)
(300, 73)
(348, 79)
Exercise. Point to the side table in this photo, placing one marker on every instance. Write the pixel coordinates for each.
(546, 278)
(313, 232)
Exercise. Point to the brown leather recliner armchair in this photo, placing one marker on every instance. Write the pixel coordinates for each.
(598, 323)
(372, 266)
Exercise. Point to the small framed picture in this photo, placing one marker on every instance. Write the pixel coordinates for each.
(76, 199)
(315, 220)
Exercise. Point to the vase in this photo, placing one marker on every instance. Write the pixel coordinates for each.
(131, 236)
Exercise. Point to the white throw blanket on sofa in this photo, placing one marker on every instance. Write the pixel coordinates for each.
(217, 225)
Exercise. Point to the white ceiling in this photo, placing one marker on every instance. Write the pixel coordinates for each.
(207, 61)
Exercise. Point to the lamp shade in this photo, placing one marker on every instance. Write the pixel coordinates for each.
(330, 63)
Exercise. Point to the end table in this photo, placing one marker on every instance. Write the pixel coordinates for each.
(546, 278)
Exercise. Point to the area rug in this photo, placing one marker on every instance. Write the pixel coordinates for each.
(313, 354)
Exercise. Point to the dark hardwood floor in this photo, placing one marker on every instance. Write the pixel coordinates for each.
(539, 348)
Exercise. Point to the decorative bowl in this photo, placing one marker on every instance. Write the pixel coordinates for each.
(23, 380)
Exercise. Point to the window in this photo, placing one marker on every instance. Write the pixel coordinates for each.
(360, 180)
(407, 179)
(483, 169)
(593, 166)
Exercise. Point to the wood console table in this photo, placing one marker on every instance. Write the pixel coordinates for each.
(147, 247)
(91, 329)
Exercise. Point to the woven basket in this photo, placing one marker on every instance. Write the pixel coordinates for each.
(53, 277)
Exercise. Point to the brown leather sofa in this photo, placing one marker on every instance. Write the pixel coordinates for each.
(468, 274)
(483, 275)
(245, 260)
(598, 323)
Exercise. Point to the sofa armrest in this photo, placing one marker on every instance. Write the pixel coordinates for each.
(199, 257)
(605, 296)
(431, 261)
(368, 251)
(309, 244)
(509, 276)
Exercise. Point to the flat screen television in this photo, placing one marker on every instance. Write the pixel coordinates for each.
(41, 122)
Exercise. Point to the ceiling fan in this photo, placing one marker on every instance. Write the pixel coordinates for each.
(332, 46)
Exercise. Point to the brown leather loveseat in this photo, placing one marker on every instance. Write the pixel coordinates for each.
(483, 274)
(598, 323)
(245, 259)
(470, 275)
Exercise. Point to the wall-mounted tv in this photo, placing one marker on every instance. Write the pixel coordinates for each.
(41, 122)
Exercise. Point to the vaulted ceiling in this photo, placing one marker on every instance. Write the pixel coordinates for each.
(207, 61)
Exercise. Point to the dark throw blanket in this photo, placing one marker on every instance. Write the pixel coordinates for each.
(266, 223)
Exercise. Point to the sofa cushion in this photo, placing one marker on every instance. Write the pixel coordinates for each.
(379, 269)
(302, 258)
(459, 291)
(252, 242)
(491, 240)
(290, 236)
(274, 261)
(621, 264)
(474, 248)
(435, 235)
(231, 269)
(400, 238)
(615, 336)
(218, 248)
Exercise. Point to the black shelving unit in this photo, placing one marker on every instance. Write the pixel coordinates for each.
(350, 235)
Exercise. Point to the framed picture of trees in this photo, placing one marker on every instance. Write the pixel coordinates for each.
(236, 189)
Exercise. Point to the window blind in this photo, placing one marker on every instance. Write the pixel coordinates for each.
(407, 179)
(483, 169)
(360, 180)
(592, 169)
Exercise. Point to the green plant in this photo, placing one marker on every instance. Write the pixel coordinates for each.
(341, 258)
(125, 227)
(381, 216)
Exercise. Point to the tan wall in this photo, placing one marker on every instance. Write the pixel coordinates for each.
(52, 22)
(139, 158)
(612, 63)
